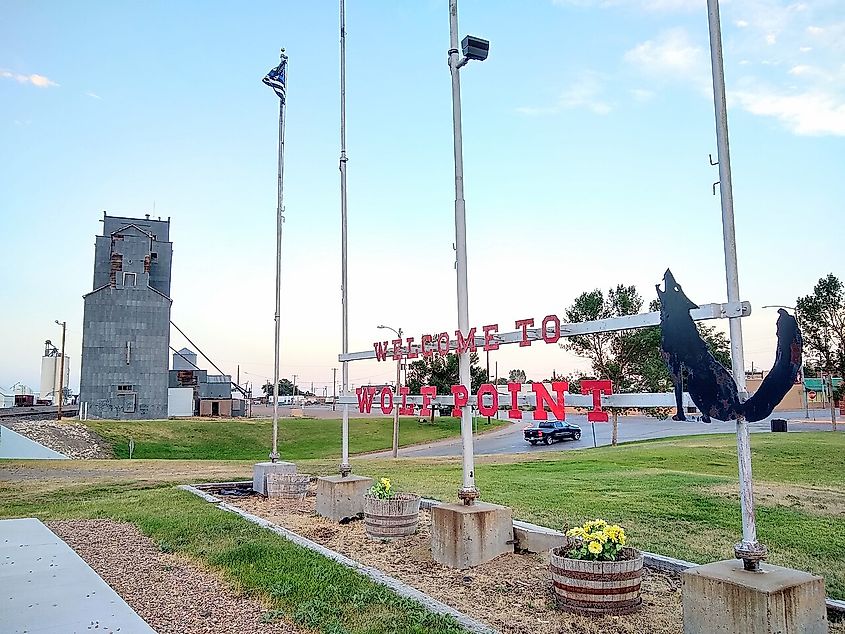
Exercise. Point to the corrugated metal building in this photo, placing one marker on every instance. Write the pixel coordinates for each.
(126, 324)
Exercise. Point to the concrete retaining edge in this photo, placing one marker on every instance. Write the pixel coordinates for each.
(400, 588)
(661, 563)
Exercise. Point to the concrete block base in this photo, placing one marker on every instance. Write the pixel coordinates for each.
(261, 470)
(340, 498)
(466, 536)
(722, 598)
(536, 539)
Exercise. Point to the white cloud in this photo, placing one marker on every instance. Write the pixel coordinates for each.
(642, 95)
(805, 49)
(36, 80)
(672, 55)
(584, 93)
(741, 23)
(771, 38)
(808, 113)
(93, 95)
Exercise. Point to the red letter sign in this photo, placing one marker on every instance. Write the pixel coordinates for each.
(386, 393)
(411, 354)
(461, 398)
(514, 411)
(443, 343)
(489, 332)
(543, 398)
(427, 351)
(397, 349)
(597, 414)
(524, 323)
(406, 409)
(484, 410)
(365, 399)
(428, 392)
(467, 343)
(381, 350)
(556, 328)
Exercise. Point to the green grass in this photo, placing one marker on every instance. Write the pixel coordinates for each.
(677, 498)
(246, 439)
(312, 591)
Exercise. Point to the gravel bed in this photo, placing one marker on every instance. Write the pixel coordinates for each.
(170, 593)
(74, 440)
(513, 593)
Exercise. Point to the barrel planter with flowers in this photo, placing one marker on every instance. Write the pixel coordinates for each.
(595, 573)
(390, 515)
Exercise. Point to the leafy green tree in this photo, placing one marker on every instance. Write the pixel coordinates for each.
(285, 388)
(821, 315)
(630, 358)
(442, 373)
(516, 376)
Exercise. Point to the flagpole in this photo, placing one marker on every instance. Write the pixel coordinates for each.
(280, 220)
(345, 467)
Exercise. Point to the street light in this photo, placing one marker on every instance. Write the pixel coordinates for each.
(63, 324)
(477, 49)
(801, 369)
(396, 404)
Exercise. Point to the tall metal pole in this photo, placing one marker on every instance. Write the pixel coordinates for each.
(345, 467)
(334, 388)
(280, 220)
(396, 410)
(749, 549)
(62, 372)
(468, 491)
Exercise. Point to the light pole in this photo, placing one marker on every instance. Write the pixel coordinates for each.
(396, 397)
(749, 549)
(334, 388)
(801, 369)
(473, 48)
(277, 80)
(63, 324)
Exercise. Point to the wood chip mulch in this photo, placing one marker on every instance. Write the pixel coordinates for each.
(170, 593)
(513, 593)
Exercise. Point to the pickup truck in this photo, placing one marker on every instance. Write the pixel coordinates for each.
(548, 431)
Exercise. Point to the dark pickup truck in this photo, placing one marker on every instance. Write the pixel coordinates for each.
(548, 431)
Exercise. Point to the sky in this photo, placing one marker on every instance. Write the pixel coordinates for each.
(586, 140)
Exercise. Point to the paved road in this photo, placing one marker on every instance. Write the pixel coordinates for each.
(509, 439)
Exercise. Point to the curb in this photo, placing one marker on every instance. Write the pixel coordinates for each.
(400, 588)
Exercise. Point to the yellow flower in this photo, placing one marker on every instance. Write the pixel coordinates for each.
(594, 547)
(576, 532)
(385, 483)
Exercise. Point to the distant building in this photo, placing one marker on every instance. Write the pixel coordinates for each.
(126, 324)
(51, 371)
(195, 392)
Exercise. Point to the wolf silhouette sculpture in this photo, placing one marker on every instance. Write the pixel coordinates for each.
(710, 385)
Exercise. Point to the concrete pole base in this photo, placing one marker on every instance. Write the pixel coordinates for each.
(465, 536)
(723, 598)
(261, 470)
(340, 498)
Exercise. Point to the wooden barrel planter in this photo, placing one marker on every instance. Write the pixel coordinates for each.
(287, 486)
(393, 518)
(598, 587)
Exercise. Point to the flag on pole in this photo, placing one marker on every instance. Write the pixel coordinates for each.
(277, 78)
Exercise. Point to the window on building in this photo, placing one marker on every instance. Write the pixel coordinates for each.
(124, 389)
(129, 279)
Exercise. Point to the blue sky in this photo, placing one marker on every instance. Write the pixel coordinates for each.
(586, 141)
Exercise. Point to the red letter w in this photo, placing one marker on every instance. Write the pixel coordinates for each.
(381, 350)
(365, 399)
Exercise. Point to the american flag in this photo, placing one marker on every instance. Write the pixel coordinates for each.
(277, 78)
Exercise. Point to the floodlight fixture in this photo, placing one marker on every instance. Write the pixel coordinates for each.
(475, 48)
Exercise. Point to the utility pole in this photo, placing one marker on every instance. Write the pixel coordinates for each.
(63, 324)
(294, 385)
(749, 549)
(827, 386)
(334, 388)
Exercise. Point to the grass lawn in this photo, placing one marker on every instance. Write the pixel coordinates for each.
(676, 497)
(249, 439)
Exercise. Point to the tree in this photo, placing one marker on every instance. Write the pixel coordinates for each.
(630, 358)
(285, 388)
(821, 316)
(516, 376)
(442, 373)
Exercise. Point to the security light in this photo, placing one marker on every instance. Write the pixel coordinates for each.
(475, 48)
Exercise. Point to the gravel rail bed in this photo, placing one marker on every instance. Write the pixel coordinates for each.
(72, 439)
(170, 593)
